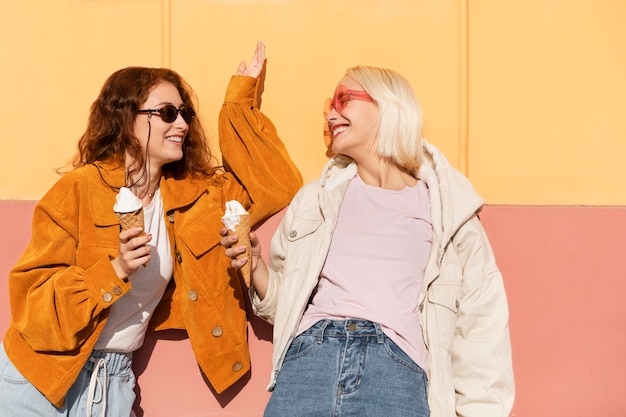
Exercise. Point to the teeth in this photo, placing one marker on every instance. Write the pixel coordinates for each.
(339, 129)
(176, 139)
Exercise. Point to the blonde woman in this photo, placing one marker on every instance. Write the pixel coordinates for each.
(382, 287)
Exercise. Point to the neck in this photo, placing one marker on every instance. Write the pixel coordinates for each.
(146, 188)
(144, 183)
(387, 176)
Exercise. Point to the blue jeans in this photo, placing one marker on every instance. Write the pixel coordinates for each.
(18, 397)
(348, 368)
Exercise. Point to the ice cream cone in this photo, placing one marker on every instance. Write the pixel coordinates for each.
(243, 233)
(131, 220)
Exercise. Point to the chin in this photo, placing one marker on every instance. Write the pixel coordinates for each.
(176, 158)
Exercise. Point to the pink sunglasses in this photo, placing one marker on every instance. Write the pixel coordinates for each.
(343, 96)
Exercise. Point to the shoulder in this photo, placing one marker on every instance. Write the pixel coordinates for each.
(307, 193)
(96, 174)
(89, 182)
(71, 181)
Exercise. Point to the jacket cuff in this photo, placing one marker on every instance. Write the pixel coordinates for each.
(105, 285)
(242, 89)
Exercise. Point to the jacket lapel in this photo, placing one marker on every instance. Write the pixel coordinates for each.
(105, 180)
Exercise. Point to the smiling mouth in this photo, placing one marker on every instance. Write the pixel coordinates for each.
(175, 139)
(339, 129)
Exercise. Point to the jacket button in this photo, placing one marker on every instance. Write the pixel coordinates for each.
(117, 290)
(457, 304)
(170, 217)
(237, 366)
(179, 258)
(217, 331)
(107, 297)
(192, 295)
(293, 233)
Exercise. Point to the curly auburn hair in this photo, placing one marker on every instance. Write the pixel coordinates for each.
(109, 135)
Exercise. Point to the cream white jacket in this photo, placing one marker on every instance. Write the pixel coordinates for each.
(464, 312)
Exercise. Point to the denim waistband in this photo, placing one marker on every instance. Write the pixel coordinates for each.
(115, 362)
(347, 328)
(109, 364)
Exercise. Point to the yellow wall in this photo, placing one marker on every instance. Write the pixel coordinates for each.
(548, 101)
(527, 96)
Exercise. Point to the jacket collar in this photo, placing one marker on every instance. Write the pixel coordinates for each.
(176, 193)
(338, 170)
(452, 197)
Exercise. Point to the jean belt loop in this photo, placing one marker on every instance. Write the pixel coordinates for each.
(380, 335)
(320, 332)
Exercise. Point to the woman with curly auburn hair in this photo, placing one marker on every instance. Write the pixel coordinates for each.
(110, 130)
(86, 290)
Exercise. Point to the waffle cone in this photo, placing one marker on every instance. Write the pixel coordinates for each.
(131, 220)
(243, 232)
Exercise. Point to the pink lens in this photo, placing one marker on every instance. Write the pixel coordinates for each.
(342, 96)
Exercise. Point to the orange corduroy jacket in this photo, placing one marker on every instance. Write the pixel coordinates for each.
(63, 286)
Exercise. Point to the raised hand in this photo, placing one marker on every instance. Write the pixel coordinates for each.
(256, 64)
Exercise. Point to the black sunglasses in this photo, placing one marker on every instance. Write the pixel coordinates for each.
(169, 113)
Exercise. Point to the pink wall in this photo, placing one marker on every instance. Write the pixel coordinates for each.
(565, 274)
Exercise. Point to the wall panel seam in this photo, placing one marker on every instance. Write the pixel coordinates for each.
(166, 33)
(463, 142)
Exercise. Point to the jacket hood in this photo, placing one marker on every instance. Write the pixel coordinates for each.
(453, 198)
(338, 170)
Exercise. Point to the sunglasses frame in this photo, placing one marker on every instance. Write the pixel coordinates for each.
(185, 111)
(342, 96)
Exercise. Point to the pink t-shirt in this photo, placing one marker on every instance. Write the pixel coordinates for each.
(375, 265)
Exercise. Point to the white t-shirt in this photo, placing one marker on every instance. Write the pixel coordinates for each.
(129, 317)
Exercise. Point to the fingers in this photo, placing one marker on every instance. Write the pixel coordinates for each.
(242, 68)
(133, 259)
(127, 235)
(259, 54)
(256, 64)
(228, 240)
(238, 263)
(133, 252)
(254, 240)
(234, 251)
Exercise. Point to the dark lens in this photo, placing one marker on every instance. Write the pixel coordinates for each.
(168, 113)
(187, 113)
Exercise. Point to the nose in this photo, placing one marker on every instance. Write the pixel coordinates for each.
(180, 121)
(331, 115)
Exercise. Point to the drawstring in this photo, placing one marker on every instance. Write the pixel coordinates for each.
(94, 383)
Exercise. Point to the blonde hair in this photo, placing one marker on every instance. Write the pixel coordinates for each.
(400, 115)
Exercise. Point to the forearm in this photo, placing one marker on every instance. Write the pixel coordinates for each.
(58, 291)
(259, 279)
(253, 152)
(55, 309)
(481, 356)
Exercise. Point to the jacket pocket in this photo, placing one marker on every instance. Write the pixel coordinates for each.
(446, 296)
(96, 244)
(202, 234)
(301, 227)
(444, 304)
